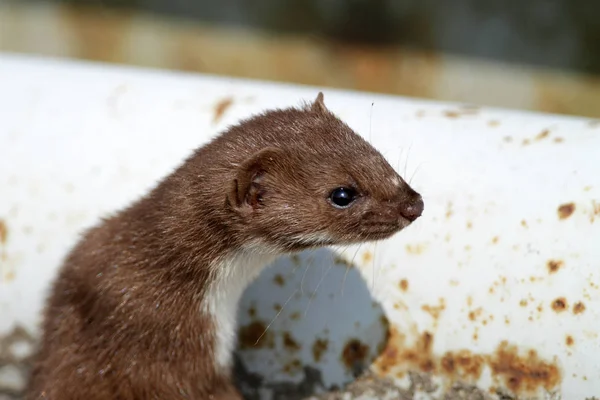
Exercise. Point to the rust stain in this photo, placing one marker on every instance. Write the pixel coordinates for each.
(524, 223)
(367, 257)
(341, 261)
(221, 107)
(318, 348)
(290, 343)
(493, 123)
(415, 249)
(569, 341)
(3, 231)
(523, 303)
(526, 142)
(462, 364)
(435, 311)
(558, 140)
(542, 135)
(469, 225)
(403, 285)
(560, 304)
(252, 311)
(565, 210)
(295, 258)
(295, 315)
(279, 280)
(578, 308)
(595, 211)
(449, 210)
(495, 239)
(554, 265)
(293, 367)
(354, 354)
(249, 336)
(277, 307)
(522, 372)
(474, 314)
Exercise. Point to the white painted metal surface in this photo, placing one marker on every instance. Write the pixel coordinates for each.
(508, 249)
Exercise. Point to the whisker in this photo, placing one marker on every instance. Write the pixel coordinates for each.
(406, 161)
(310, 299)
(275, 317)
(414, 173)
(308, 265)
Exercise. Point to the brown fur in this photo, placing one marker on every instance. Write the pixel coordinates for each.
(124, 319)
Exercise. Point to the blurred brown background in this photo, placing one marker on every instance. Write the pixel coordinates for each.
(530, 54)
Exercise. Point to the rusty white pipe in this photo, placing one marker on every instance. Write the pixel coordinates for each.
(497, 284)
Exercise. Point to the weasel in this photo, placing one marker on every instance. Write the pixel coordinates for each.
(144, 306)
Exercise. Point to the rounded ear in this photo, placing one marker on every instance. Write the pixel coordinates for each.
(246, 189)
(318, 105)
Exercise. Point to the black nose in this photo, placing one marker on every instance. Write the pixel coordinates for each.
(411, 210)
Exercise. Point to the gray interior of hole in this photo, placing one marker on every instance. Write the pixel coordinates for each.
(327, 299)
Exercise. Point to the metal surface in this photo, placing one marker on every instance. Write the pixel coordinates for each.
(497, 283)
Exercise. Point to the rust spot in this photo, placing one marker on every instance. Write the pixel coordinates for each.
(542, 135)
(554, 266)
(277, 307)
(3, 231)
(526, 142)
(9, 276)
(435, 311)
(560, 304)
(342, 261)
(290, 343)
(278, 279)
(495, 239)
(295, 316)
(463, 363)
(404, 285)
(249, 335)
(318, 348)
(578, 308)
(354, 354)
(469, 225)
(558, 140)
(416, 249)
(252, 311)
(367, 257)
(523, 303)
(292, 367)
(565, 210)
(493, 123)
(524, 223)
(449, 210)
(523, 373)
(296, 259)
(474, 314)
(451, 114)
(569, 340)
(221, 107)
(595, 211)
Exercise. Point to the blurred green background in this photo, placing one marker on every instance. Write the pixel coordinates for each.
(530, 54)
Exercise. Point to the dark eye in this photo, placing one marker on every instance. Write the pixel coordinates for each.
(342, 197)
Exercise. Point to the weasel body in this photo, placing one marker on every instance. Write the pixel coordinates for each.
(144, 306)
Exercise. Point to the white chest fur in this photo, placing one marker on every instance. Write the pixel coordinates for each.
(232, 276)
